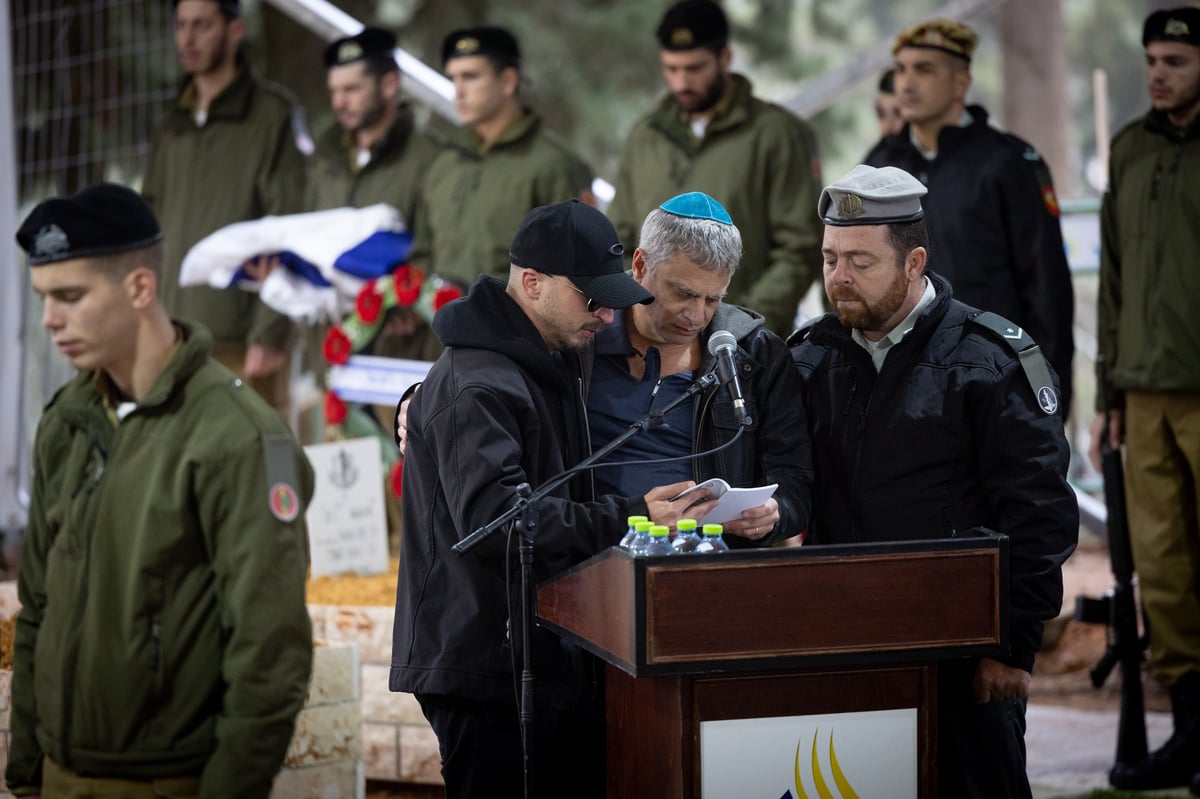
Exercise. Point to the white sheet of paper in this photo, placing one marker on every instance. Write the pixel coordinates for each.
(732, 501)
(347, 524)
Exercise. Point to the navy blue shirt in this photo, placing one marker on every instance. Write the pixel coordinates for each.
(617, 399)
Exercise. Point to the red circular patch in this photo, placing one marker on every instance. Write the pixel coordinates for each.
(285, 505)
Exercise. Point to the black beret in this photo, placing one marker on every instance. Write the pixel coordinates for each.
(231, 8)
(1173, 25)
(104, 219)
(690, 24)
(487, 41)
(369, 43)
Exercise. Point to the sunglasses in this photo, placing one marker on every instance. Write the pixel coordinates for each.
(592, 305)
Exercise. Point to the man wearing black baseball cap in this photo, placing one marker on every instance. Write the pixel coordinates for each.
(1149, 338)
(503, 406)
(163, 647)
(497, 165)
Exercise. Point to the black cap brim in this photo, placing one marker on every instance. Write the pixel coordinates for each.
(613, 290)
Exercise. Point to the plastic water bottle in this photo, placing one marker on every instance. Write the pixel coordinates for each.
(627, 539)
(660, 541)
(712, 541)
(686, 537)
(641, 539)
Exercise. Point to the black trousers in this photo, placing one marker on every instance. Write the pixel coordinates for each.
(981, 747)
(480, 744)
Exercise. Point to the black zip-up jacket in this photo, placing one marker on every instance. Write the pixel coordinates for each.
(948, 436)
(496, 410)
(994, 230)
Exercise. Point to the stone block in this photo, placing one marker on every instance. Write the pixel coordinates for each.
(326, 733)
(5, 700)
(370, 626)
(342, 779)
(380, 704)
(317, 614)
(381, 751)
(9, 604)
(420, 758)
(335, 674)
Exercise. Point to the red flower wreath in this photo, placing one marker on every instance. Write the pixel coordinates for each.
(338, 346)
(369, 303)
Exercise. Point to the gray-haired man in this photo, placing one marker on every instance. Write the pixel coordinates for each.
(651, 354)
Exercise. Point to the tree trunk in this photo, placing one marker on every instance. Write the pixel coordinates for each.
(1036, 103)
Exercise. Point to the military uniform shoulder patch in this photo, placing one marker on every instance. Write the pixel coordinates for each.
(280, 466)
(284, 503)
(1033, 363)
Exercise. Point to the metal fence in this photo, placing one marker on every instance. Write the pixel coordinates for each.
(90, 79)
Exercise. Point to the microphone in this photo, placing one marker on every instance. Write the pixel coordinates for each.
(722, 345)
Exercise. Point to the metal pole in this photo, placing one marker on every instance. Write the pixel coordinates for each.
(13, 505)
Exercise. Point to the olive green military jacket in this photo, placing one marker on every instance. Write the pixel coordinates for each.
(756, 159)
(163, 629)
(1148, 327)
(240, 165)
(475, 198)
(394, 175)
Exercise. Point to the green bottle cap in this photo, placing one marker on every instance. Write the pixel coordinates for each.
(685, 525)
(713, 529)
(660, 530)
(632, 520)
(643, 526)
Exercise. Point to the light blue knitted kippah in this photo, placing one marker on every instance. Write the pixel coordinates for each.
(697, 205)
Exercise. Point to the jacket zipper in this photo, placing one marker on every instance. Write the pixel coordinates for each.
(72, 661)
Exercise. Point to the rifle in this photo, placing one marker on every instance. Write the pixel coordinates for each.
(1118, 608)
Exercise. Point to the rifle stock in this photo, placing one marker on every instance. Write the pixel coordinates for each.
(1118, 608)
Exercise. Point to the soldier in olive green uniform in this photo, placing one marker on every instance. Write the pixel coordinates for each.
(163, 647)
(374, 154)
(496, 167)
(225, 153)
(710, 134)
(1148, 335)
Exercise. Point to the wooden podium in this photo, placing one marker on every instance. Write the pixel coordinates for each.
(773, 632)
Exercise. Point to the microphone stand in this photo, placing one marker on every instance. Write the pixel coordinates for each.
(525, 511)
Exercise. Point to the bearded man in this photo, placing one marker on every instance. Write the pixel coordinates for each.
(711, 134)
(929, 418)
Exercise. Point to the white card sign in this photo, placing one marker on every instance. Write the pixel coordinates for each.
(347, 524)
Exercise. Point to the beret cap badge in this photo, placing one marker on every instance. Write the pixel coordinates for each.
(349, 51)
(1176, 27)
(467, 44)
(850, 206)
(51, 240)
(682, 38)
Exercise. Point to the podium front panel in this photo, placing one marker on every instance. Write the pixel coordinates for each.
(807, 607)
(656, 727)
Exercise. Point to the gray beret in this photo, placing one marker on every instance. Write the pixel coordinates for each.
(870, 196)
